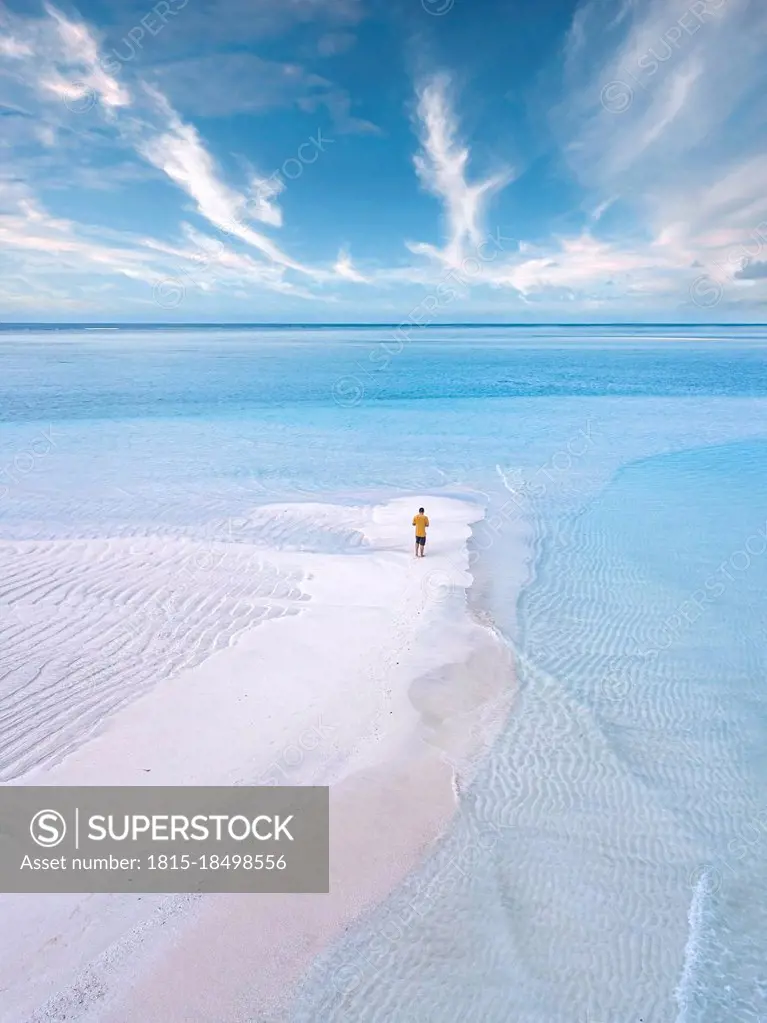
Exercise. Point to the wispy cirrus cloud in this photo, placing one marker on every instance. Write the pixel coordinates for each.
(177, 150)
(662, 109)
(14, 48)
(37, 241)
(582, 268)
(78, 72)
(656, 116)
(587, 268)
(59, 256)
(142, 121)
(442, 166)
(345, 269)
(566, 269)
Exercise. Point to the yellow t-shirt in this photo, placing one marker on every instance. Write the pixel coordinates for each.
(420, 522)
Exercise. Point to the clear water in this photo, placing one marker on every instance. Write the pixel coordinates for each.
(609, 863)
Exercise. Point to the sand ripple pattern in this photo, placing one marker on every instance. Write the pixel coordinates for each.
(608, 862)
(87, 625)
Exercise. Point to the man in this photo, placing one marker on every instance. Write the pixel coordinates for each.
(421, 523)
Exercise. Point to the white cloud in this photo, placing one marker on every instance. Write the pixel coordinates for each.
(58, 257)
(83, 74)
(660, 107)
(262, 192)
(583, 263)
(442, 165)
(344, 268)
(159, 135)
(177, 150)
(44, 241)
(73, 73)
(681, 168)
(10, 47)
(581, 268)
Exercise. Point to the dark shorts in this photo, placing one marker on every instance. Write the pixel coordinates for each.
(421, 540)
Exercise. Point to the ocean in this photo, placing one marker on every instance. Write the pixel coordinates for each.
(608, 861)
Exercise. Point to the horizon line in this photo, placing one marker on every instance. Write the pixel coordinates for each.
(282, 324)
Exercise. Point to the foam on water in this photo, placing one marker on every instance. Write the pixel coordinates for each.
(687, 991)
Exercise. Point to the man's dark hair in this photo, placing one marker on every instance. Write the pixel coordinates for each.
(420, 511)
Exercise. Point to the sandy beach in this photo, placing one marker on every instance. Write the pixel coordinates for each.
(355, 666)
(543, 743)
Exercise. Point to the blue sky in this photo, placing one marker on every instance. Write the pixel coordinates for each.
(349, 160)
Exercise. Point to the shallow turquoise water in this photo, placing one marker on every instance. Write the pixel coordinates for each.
(608, 863)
